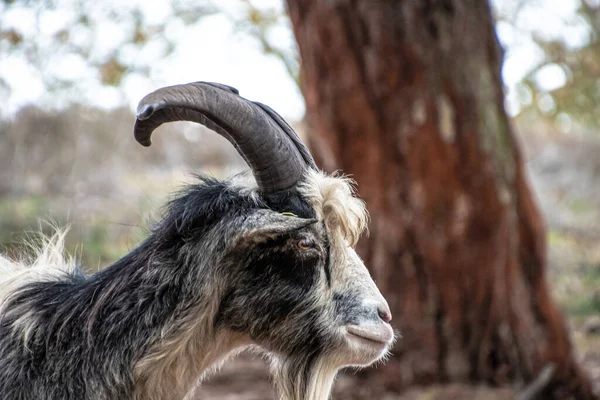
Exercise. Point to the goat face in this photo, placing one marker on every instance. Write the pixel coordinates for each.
(298, 289)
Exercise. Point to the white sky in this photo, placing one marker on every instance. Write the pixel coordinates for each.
(213, 51)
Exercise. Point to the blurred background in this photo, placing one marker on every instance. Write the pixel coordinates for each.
(72, 72)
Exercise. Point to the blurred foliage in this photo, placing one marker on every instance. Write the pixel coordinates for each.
(586, 301)
(584, 306)
(94, 242)
(79, 152)
(81, 36)
(261, 24)
(575, 104)
(44, 43)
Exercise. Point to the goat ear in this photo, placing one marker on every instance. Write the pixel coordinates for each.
(271, 224)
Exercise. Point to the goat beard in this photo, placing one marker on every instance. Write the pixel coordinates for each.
(304, 378)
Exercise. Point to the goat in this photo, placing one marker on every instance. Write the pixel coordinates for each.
(228, 267)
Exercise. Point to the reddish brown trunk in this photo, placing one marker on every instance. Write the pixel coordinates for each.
(407, 97)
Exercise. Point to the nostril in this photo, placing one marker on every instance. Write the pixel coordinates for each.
(385, 314)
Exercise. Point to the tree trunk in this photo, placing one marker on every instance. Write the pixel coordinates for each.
(407, 97)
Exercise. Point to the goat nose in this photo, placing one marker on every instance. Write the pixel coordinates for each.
(384, 313)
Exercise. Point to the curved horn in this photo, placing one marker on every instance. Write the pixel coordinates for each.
(274, 152)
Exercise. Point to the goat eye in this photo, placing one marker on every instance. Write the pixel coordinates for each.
(306, 244)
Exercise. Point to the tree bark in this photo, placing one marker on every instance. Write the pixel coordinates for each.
(407, 97)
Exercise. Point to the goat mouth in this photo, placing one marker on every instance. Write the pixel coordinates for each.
(377, 338)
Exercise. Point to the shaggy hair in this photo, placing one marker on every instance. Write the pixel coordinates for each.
(222, 271)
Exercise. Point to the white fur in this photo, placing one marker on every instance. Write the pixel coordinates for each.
(333, 198)
(48, 263)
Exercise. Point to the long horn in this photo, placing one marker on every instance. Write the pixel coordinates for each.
(274, 152)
